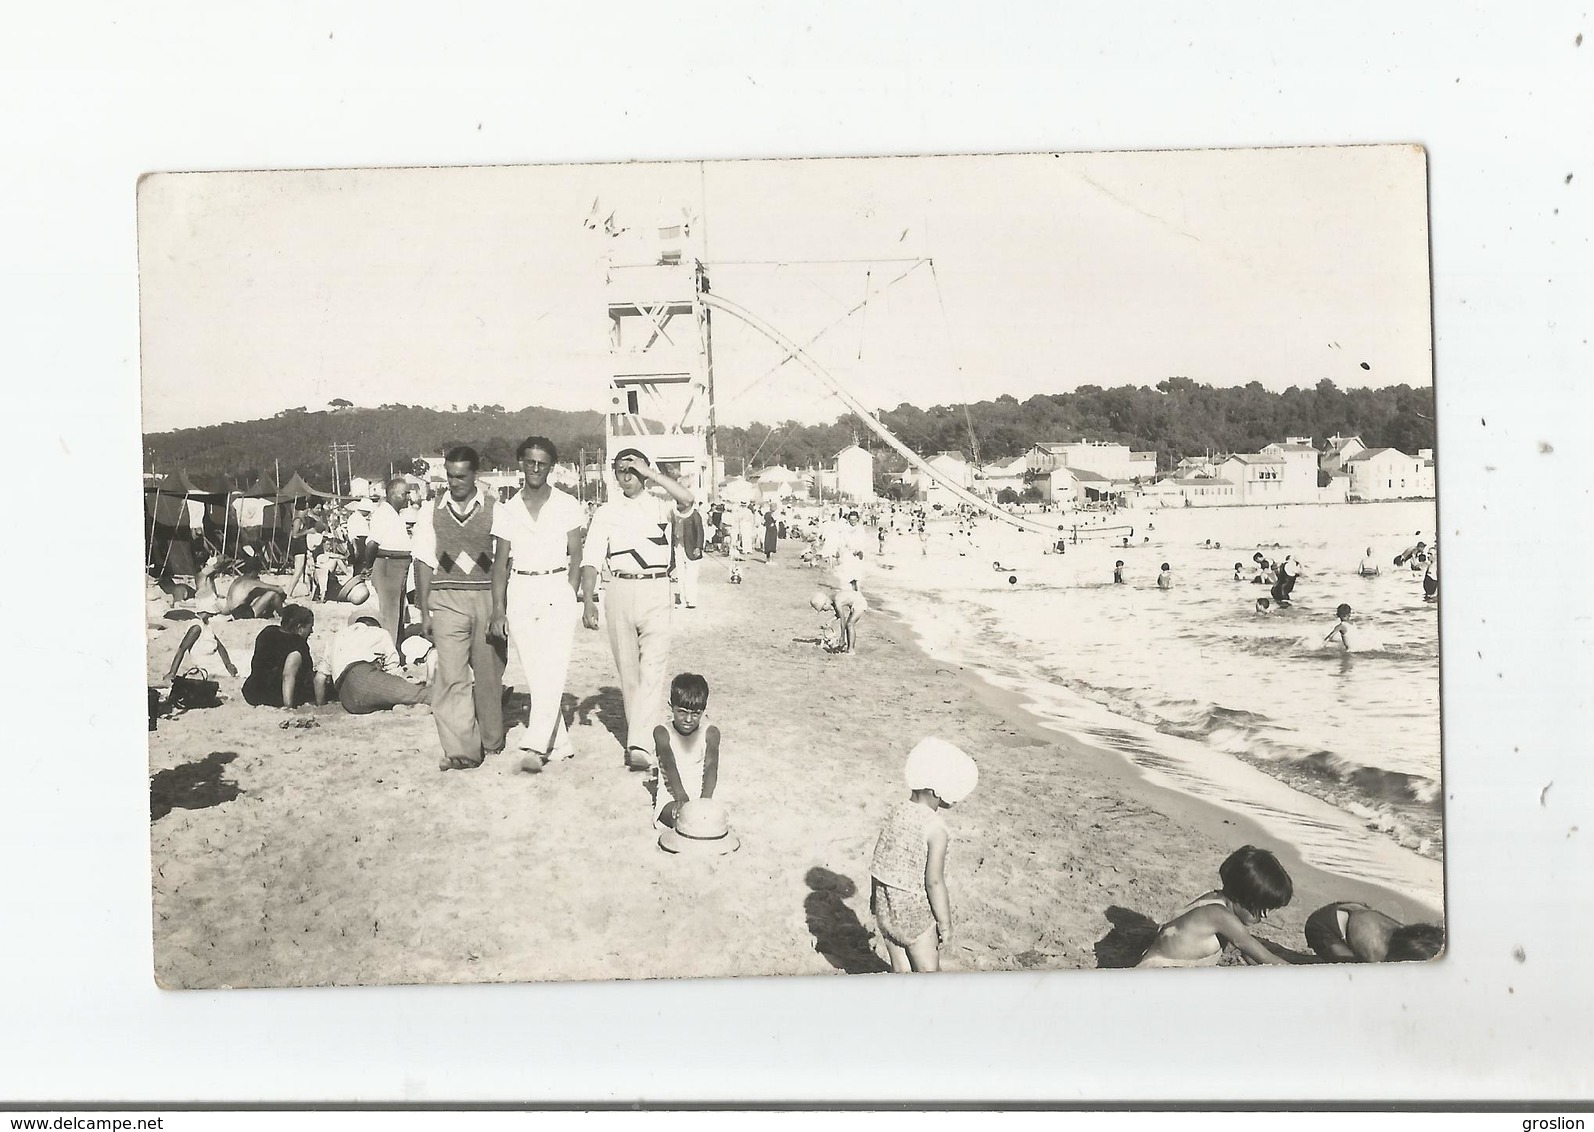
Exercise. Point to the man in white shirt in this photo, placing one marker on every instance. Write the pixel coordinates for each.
(629, 539)
(387, 556)
(536, 580)
(361, 667)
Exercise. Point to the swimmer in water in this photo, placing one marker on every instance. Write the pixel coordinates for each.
(1118, 572)
(1165, 579)
(1341, 628)
(1368, 568)
(1239, 571)
(1430, 578)
(1263, 605)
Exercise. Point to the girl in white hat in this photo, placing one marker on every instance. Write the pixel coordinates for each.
(909, 898)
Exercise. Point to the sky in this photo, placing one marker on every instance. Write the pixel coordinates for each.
(983, 275)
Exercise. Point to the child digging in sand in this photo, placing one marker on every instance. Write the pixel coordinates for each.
(688, 752)
(1254, 883)
(909, 898)
(849, 607)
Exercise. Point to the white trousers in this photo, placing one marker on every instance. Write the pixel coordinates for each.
(542, 615)
(686, 577)
(637, 613)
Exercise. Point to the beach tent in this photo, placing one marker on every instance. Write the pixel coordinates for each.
(173, 505)
(296, 490)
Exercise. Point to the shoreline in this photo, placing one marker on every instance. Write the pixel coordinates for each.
(337, 854)
(1209, 817)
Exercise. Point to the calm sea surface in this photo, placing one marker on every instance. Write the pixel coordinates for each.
(1336, 752)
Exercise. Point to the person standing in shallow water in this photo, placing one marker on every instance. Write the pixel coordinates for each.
(454, 551)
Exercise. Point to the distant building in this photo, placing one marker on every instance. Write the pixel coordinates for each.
(1197, 490)
(1299, 479)
(1103, 457)
(1259, 478)
(1388, 473)
(855, 473)
(1339, 450)
(1043, 457)
(992, 479)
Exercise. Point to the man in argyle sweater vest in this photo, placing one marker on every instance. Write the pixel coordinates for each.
(454, 550)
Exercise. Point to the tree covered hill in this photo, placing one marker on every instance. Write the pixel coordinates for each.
(1177, 418)
(395, 435)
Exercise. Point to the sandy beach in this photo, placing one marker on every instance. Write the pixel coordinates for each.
(336, 853)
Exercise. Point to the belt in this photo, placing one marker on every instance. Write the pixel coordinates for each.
(637, 577)
(380, 553)
(540, 573)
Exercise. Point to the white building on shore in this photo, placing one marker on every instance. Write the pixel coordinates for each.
(1388, 473)
(855, 473)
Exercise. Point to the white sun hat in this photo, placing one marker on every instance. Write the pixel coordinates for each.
(935, 764)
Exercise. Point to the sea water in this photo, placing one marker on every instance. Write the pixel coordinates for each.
(1336, 752)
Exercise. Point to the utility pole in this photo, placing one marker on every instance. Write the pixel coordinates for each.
(346, 450)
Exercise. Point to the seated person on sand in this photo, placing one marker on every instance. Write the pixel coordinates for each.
(1254, 883)
(687, 749)
(200, 654)
(281, 673)
(246, 597)
(1350, 932)
(335, 581)
(361, 666)
(1368, 568)
(849, 607)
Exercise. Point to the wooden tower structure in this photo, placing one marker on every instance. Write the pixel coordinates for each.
(661, 369)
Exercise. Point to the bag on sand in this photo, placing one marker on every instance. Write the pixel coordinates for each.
(189, 693)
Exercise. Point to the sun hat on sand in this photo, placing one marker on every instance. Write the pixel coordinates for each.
(937, 765)
(700, 828)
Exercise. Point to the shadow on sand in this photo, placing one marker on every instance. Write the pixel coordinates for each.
(610, 708)
(192, 786)
(1132, 932)
(838, 935)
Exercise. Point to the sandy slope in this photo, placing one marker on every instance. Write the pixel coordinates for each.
(339, 854)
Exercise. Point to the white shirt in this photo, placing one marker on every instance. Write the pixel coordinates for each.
(423, 540)
(356, 524)
(388, 530)
(357, 641)
(250, 512)
(540, 544)
(631, 535)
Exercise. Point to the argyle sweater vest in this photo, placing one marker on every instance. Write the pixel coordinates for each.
(464, 550)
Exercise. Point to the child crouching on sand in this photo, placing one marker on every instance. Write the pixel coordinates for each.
(1352, 932)
(849, 607)
(1254, 883)
(909, 898)
(687, 749)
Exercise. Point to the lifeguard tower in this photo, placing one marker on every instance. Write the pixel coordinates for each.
(661, 371)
